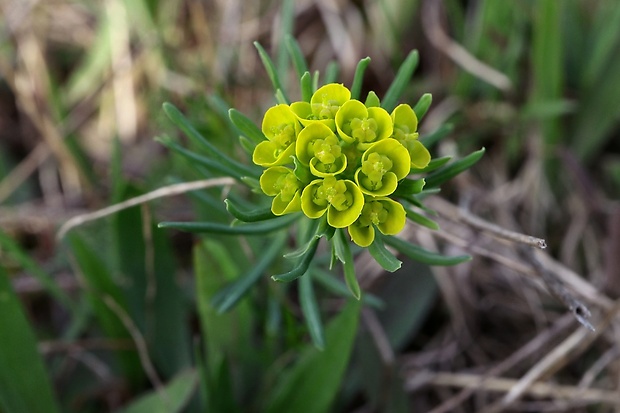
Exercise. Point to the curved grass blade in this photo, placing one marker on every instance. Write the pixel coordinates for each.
(401, 80)
(358, 78)
(384, 258)
(424, 256)
(246, 126)
(271, 70)
(310, 308)
(258, 228)
(255, 215)
(446, 173)
(422, 106)
(302, 266)
(229, 296)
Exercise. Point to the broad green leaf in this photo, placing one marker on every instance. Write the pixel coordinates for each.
(401, 81)
(256, 228)
(384, 258)
(246, 126)
(310, 308)
(448, 172)
(24, 384)
(424, 256)
(313, 382)
(169, 399)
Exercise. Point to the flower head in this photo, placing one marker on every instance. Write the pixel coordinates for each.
(383, 164)
(319, 147)
(323, 106)
(361, 125)
(405, 131)
(341, 199)
(383, 213)
(281, 127)
(281, 182)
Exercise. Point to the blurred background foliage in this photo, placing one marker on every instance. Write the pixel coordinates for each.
(119, 316)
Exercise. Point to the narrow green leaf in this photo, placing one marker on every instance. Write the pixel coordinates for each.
(24, 384)
(343, 252)
(303, 250)
(247, 145)
(335, 286)
(422, 106)
(310, 308)
(410, 186)
(421, 219)
(384, 258)
(296, 390)
(435, 163)
(331, 72)
(372, 100)
(246, 126)
(188, 129)
(358, 78)
(170, 399)
(212, 164)
(271, 70)
(424, 256)
(285, 29)
(227, 298)
(302, 266)
(446, 173)
(258, 228)
(401, 80)
(437, 135)
(305, 82)
(255, 215)
(294, 51)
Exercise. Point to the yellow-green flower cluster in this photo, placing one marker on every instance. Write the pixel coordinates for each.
(336, 156)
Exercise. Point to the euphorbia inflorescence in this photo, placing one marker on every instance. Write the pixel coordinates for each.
(336, 156)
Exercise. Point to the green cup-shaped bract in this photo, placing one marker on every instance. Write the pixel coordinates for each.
(383, 164)
(341, 199)
(281, 183)
(384, 213)
(319, 148)
(361, 125)
(281, 127)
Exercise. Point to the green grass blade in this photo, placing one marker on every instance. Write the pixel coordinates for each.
(10, 247)
(424, 256)
(434, 164)
(384, 258)
(246, 126)
(448, 172)
(258, 228)
(24, 384)
(421, 219)
(310, 308)
(306, 87)
(401, 80)
(312, 384)
(271, 70)
(331, 72)
(170, 399)
(358, 78)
